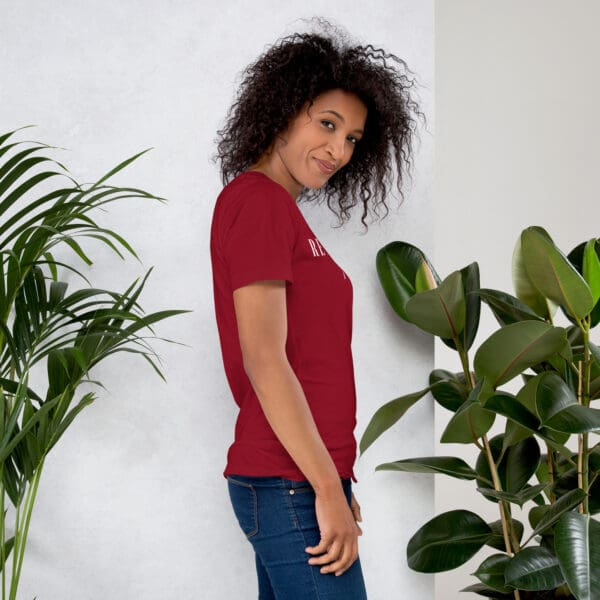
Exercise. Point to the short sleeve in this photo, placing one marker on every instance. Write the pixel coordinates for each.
(259, 238)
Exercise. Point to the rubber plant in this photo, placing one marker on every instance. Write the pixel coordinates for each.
(67, 334)
(547, 458)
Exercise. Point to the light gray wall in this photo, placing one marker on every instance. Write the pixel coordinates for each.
(517, 144)
(133, 503)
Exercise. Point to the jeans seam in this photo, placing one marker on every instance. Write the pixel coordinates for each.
(297, 525)
(254, 531)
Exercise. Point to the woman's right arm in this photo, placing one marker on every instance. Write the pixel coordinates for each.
(262, 326)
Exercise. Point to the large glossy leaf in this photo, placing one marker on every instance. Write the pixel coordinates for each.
(516, 347)
(554, 512)
(553, 275)
(525, 495)
(506, 308)
(534, 569)
(446, 465)
(491, 572)
(566, 480)
(525, 290)
(386, 416)
(483, 590)
(397, 265)
(450, 390)
(508, 406)
(591, 267)
(527, 396)
(440, 311)
(497, 539)
(447, 541)
(471, 420)
(470, 283)
(558, 408)
(576, 258)
(515, 467)
(577, 543)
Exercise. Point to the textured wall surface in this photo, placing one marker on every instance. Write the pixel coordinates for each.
(132, 504)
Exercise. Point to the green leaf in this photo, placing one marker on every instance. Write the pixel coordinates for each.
(525, 495)
(471, 420)
(424, 278)
(488, 592)
(448, 389)
(447, 541)
(591, 268)
(559, 410)
(8, 443)
(446, 465)
(515, 467)
(8, 546)
(553, 275)
(497, 539)
(86, 400)
(397, 265)
(552, 515)
(470, 284)
(506, 308)
(491, 572)
(516, 347)
(552, 396)
(524, 287)
(575, 419)
(576, 259)
(386, 416)
(577, 543)
(440, 311)
(509, 407)
(534, 569)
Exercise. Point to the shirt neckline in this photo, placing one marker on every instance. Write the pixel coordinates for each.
(261, 174)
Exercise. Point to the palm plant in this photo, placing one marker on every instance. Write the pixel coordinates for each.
(560, 371)
(41, 324)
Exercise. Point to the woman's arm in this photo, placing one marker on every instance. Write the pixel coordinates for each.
(262, 326)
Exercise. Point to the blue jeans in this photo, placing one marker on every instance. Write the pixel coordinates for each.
(278, 517)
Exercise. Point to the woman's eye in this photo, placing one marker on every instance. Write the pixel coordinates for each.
(352, 140)
(328, 124)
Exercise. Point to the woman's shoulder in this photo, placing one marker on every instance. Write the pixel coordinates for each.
(254, 190)
(255, 182)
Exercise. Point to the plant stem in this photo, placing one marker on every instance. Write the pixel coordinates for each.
(24, 527)
(584, 398)
(551, 495)
(2, 532)
(506, 531)
(498, 488)
(470, 381)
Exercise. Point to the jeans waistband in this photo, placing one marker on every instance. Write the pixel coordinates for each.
(277, 481)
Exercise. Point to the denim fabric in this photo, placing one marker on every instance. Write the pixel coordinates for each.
(278, 518)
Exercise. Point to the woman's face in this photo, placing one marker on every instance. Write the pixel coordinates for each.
(317, 143)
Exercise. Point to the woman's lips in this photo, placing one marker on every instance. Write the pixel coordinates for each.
(325, 166)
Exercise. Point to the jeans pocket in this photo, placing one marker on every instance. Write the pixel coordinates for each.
(245, 505)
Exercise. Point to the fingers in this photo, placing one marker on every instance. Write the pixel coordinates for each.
(320, 548)
(345, 555)
(338, 547)
(355, 508)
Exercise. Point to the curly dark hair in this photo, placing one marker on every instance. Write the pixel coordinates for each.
(296, 70)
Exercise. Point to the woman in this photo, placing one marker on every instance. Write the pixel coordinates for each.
(315, 118)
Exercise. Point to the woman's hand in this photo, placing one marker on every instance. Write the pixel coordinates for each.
(339, 533)
(355, 506)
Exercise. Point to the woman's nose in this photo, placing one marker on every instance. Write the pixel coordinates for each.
(336, 148)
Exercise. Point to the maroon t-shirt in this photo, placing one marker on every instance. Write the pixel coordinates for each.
(257, 233)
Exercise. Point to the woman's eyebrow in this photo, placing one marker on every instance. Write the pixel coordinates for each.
(337, 114)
